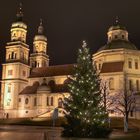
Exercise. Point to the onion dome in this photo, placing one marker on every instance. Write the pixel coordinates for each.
(40, 35)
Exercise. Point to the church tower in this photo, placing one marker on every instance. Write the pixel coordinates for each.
(39, 57)
(16, 68)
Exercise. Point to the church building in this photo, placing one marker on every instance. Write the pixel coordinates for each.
(32, 88)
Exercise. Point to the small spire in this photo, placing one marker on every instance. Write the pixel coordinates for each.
(19, 13)
(84, 44)
(40, 28)
(117, 20)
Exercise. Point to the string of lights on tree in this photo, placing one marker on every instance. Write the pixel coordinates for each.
(84, 103)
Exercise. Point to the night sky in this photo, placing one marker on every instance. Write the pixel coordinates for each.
(68, 22)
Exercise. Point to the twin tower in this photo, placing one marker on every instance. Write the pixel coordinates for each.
(16, 70)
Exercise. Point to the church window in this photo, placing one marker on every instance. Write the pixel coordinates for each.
(19, 100)
(47, 101)
(130, 84)
(99, 66)
(9, 56)
(38, 64)
(35, 101)
(116, 36)
(35, 64)
(26, 101)
(136, 64)
(60, 103)
(111, 84)
(122, 36)
(137, 85)
(24, 73)
(130, 63)
(51, 101)
(12, 55)
(112, 111)
(15, 55)
(131, 113)
(10, 72)
(9, 88)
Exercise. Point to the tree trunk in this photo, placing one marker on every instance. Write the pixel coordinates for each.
(125, 123)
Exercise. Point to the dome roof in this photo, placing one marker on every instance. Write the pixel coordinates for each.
(116, 27)
(116, 44)
(40, 38)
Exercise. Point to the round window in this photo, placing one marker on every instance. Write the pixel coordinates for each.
(26, 101)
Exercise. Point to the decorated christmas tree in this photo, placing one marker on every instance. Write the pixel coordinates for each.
(85, 116)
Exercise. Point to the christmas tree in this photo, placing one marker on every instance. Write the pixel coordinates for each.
(86, 116)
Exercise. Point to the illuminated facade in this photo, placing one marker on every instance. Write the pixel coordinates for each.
(119, 59)
(32, 88)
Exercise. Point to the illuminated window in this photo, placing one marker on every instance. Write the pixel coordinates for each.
(137, 85)
(26, 101)
(130, 85)
(136, 64)
(111, 83)
(130, 64)
(10, 72)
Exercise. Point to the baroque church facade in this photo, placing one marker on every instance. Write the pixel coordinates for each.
(32, 88)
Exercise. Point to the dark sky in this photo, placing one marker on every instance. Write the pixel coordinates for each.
(67, 22)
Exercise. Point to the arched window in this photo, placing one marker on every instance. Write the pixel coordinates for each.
(136, 64)
(15, 55)
(35, 63)
(9, 56)
(130, 63)
(60, 102)
(19, 100)
(26, 101)
(130, 85)
(35, 101)
(51, 101)
(12, 55)
(137, 85)
(111, 83)
(116, 36)
(47, 101)
(9, 88)
(122, 36)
